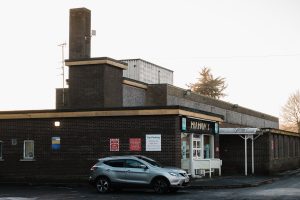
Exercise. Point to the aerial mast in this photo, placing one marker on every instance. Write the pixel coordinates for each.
(62, 45)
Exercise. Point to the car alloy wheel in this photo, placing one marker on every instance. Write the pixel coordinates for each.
(103, 185)
(160, 186)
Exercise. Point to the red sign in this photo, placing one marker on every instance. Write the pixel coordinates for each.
(114, 144)
(135, 144)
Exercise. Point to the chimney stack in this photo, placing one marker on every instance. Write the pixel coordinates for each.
(80, 34)
(93, 82)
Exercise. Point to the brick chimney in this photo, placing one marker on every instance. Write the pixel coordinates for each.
(80, 33)
(93, 82)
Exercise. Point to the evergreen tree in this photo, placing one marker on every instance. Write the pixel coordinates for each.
(208, 85)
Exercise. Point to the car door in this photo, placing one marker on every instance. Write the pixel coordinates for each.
(137, 172)
(116, 170)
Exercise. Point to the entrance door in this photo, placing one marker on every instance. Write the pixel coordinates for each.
(197, 146)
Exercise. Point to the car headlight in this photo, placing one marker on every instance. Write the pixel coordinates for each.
(173, 174)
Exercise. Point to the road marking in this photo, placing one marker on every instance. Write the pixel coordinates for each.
(16, 198)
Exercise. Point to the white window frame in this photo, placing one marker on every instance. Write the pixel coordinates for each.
(24, 150)
(1, 150)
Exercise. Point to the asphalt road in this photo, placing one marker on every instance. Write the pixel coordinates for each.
(286, 188)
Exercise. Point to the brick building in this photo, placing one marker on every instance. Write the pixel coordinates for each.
(91, 121)
(63, 145)
(102, 113)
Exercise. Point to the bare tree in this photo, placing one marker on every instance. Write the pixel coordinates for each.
(208, 85)
(291, 113)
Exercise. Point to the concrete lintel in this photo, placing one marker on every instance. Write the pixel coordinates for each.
(140, 112)
(135, 84)
(95, 62)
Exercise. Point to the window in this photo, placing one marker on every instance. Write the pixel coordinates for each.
(1, 144)
(133, 164)
(115, 163)
(28, 149)
(291, 147)
(281, 146)
(185, 146)
(276, 146)
(150, 161)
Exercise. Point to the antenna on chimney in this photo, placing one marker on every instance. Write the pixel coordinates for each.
(93, 33)
(62, 45)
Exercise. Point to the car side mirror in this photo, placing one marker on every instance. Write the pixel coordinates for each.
(143, 167)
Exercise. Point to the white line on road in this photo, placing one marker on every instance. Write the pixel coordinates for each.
(16, 198)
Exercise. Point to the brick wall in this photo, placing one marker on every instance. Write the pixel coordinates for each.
(232, 148)
(95, 86)
(284, 152)
(83, 141)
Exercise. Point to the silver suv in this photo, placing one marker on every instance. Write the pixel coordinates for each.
(120, 171)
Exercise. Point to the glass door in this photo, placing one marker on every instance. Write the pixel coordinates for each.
(197, 146)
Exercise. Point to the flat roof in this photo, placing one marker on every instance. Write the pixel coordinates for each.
(111, 112)
(148, 63)
(279, 131)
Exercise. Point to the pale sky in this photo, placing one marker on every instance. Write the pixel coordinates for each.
(254, 44)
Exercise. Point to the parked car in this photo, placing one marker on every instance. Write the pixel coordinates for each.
(137, 170)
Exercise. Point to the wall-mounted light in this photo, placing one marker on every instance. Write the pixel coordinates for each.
(187, 92)
(57, 123)
(14, 142)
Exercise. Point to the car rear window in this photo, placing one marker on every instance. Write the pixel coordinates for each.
(115, 163)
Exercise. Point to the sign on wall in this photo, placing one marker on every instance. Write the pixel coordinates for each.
(135, 144)
(114, 144)
(183, 123)
(153, 142)
(216, 128)
(55, 143)
(191, 125)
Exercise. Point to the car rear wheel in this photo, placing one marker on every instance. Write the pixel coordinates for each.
(103, 185)
(160, 185)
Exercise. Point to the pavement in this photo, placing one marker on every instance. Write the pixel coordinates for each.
(230, 182)
(238, 181)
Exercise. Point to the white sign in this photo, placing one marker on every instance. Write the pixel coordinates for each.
(114, 144)
(153, 142)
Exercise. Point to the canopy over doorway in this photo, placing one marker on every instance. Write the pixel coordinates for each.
(244, 133)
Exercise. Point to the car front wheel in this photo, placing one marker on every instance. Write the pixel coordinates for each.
(160, 185)
(103, 185)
